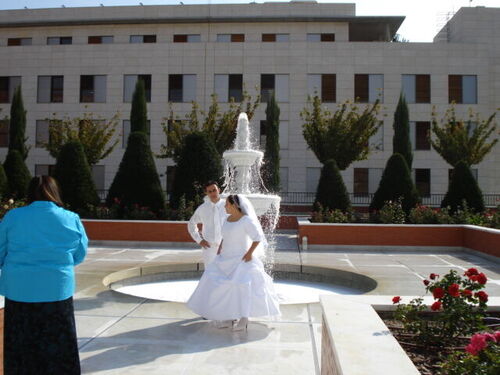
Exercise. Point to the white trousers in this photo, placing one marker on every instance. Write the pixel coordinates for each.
(209, 253)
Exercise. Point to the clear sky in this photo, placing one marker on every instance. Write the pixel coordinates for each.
(423, 17)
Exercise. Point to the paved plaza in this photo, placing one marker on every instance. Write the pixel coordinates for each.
(121, 334)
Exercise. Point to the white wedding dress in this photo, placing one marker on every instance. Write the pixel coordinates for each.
(231, 288)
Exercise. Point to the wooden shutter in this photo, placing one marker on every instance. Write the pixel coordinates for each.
(328, 88)
(269, 37)
(238, 38)
(361, 88)
(328, 37)
(455, 88)
(422, 134)
(423, 88)
(180, 38)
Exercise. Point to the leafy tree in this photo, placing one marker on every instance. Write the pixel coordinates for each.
(396, 182)
(220, 126)
(93, 134)
(18, 175)
(401, 141)
(468, 140)
(17, 127)
(343, 135)
(198, 163)
(332, 193)
(463, 187)
(73, 173)
(139, 111)
(271, 168)
(137, 181)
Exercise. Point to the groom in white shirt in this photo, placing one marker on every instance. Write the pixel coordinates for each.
(211, 214)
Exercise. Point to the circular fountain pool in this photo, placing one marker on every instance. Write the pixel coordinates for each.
(294, 284)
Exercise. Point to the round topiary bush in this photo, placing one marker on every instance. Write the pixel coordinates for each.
(331, 193)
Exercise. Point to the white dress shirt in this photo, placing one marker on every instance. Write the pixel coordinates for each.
(211, 216)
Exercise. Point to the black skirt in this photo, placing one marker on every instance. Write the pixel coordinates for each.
(40, 338)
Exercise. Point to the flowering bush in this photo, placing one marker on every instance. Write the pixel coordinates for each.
(392, 212)
(428, 215)
(481, 357)
(460, 301)
(323, 215)
(8, 204)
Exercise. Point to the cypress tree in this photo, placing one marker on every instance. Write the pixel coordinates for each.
(332, 193)
(18, 175)
(396, 182)
(73, 173)
(4, 184)
(137, 181)
(199, 162)
(17, 127)
(463, 186)
(139, 110)
(401, 141)
(271, 172)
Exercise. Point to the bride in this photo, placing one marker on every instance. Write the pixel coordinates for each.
(235, 285)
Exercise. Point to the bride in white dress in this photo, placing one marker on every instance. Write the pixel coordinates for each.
(235, 285)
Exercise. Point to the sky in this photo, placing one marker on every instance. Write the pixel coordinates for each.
(423, 20)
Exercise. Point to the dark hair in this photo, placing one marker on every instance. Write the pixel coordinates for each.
(210, 183)
(44, 188)
(234, 200)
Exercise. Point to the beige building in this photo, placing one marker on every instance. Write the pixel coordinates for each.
(75, 60)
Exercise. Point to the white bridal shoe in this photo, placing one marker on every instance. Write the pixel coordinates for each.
(223, 323)
(241, 326)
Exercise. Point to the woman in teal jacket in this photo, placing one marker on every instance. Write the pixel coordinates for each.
(39, 246)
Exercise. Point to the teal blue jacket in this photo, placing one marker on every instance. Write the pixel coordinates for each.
(39, 246)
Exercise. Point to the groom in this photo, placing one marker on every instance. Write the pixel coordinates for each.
(211, 214)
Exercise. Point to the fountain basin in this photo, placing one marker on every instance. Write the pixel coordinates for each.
(242, 158)
(294, 284)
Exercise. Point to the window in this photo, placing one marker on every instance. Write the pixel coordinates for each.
(44, 169)
(142, 38)
(187, 38)
(55, 40)
(462, 89)
(276, 84)
(98, 175)
(126, 132)
(100, 39)
(312, 179)
(420, 135)
(129, 86)
(92, 89)
(321, 37)
(7, 87)
(423, 182)
(368, 88)
(284, 178)
(360, 187)
(417, 88)
(275, 37)
(229, 86)
(234, 38)
(50, 89)
(283, 134)
(4, 133)
(324, 86)
(19, 42)
(181, 88)
(42, 133)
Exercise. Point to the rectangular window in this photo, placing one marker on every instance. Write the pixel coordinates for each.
(312, 179)
(44, 169)
(92, 89)
(324, 86)
(325, 37)
(7, 87)
(4, 133)
(423, 182)
(187, 38)
(50, 89)
(19, 41)
(56, 40)
(368, 88)
(360, 187)
(42, 133)
(275, 37)
(129, 82)
(126, 131)
(142, 38)
(181, 88)
(229, 86)
(416, 88)
(234, 38)
(422, 135)
(462, 89)
(276, 84)
(283, 135)
(100, 39)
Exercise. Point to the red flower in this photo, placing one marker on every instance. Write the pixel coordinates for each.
(471, 272)
(483, 296)
(481, 278)
(396, 299)
(436, 306)
(426, 282)
(497, 336)
(477, 343)
(467, 293)
(453, 290)
(432, 276)
(438, 293)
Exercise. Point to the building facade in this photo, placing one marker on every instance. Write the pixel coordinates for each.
(72, 61)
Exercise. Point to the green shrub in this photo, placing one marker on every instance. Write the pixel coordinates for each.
(18, 175)
(332, 193)
(463, 187)
(392, 213)
(428, 215)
